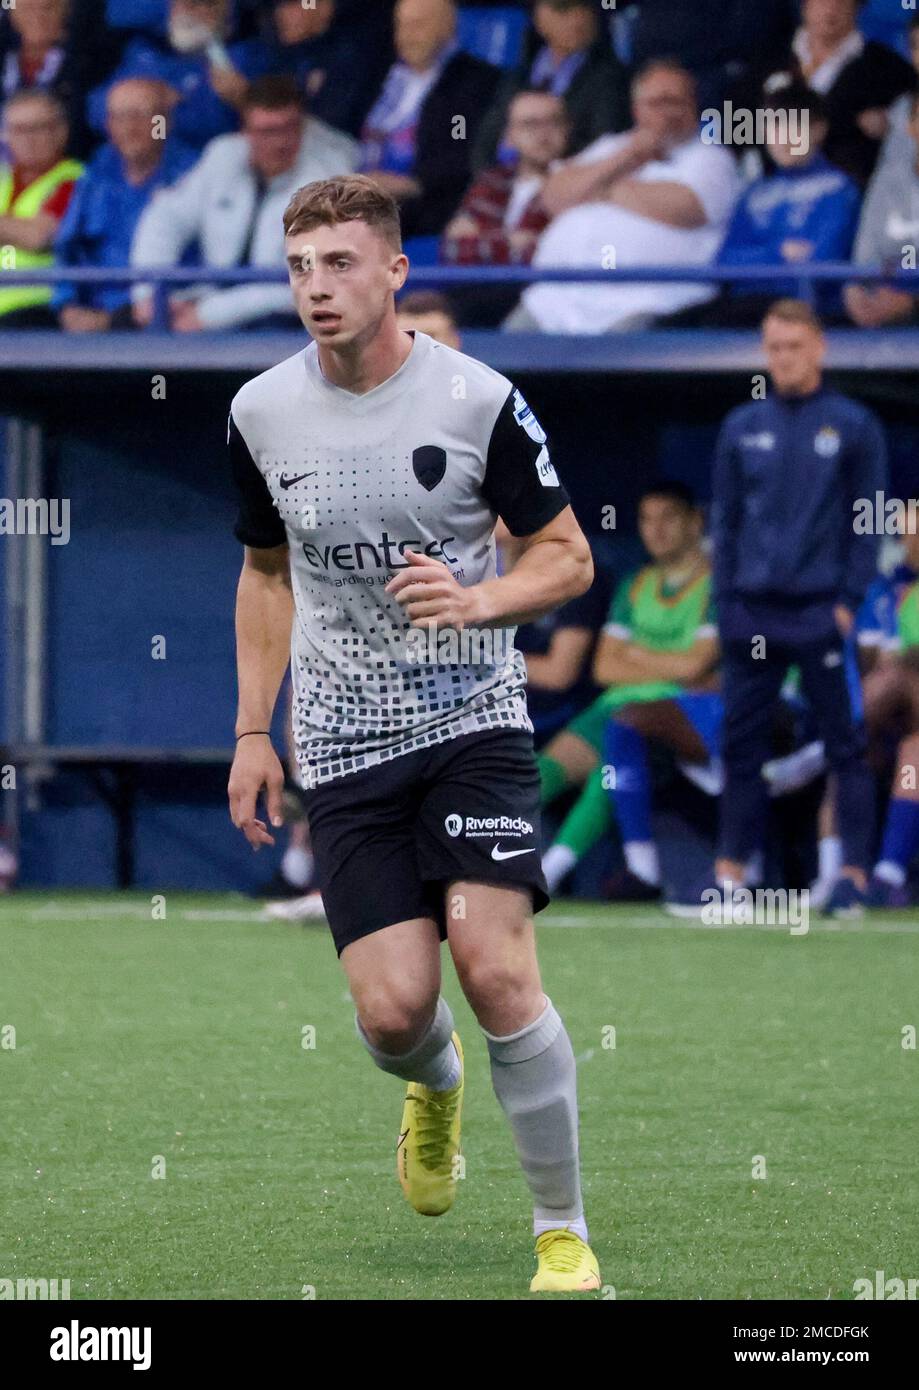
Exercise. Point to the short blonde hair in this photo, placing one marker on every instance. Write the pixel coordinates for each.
(793, 311)
(350, 198)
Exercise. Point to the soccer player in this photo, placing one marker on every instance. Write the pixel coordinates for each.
(791, 568)
(372, 466)
(657, 658)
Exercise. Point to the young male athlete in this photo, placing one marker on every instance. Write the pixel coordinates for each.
(372, 466)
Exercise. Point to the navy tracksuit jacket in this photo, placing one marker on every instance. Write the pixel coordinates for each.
(787, 473)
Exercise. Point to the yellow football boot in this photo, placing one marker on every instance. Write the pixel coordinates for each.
(429, 1144)
(566, 1264)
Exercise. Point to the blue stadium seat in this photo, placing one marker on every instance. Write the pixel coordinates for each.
(885, 21)
(494, 34)
(149, 15)
(422, 250)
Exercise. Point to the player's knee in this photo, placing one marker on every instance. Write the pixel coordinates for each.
(395, 1018)
(489, 983)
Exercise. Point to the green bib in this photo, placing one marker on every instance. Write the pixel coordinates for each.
(908, 617)
(644, 611)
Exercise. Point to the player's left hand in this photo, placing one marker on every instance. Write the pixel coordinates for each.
(430, 595)
(844, 619)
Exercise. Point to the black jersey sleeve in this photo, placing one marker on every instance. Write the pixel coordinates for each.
(520, 482)
(257, 523)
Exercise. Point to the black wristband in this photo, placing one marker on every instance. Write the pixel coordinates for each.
(249, 732)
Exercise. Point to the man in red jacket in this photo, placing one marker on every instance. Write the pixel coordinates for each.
(502, 217)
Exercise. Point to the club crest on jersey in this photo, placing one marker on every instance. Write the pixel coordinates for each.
(827, 442)
(429, 464)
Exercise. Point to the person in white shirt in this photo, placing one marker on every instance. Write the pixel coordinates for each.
(898, 145)
(231, 203)
(654, 195)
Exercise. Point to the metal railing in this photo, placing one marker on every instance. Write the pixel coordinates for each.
(161, 279)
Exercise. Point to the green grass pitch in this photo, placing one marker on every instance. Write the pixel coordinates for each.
(145, 1045)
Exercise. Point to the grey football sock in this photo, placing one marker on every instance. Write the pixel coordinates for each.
(433, 1061)
(533, 1073)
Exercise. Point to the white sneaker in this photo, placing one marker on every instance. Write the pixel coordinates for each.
(307, 908)
(795, 770)
(708, 777)
(820, 890)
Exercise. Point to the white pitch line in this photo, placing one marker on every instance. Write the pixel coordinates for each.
(874, 928)
(73, 912)
(194, 914)
(78, 912)
(55, 911)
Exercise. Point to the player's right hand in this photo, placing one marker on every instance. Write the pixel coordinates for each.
(255, 766)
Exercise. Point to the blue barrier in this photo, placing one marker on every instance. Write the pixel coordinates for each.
(446, 277)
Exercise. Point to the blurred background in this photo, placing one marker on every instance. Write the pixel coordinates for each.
(148, 151)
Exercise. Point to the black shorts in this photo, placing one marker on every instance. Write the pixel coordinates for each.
(388, 839)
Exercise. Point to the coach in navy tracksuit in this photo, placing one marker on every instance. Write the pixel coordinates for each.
(790, 571)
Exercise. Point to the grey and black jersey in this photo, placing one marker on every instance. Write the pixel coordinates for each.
(426, 461)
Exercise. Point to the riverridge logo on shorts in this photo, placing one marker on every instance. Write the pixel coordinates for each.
(475, 827)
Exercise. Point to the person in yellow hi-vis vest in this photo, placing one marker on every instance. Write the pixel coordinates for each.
(35, 189)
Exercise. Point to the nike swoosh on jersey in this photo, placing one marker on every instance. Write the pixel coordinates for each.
(499, 854)
(289, 482)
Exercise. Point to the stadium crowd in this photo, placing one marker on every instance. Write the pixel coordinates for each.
(158, 133)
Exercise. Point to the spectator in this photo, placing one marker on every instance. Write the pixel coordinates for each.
(232, 203)
(858, 78)
(121, 179)
(717, 40)
(335, 72)
(655, 663)
(501, 217)
(410, 136)
(898, 145)
(425, 311)
(34, 44)
(803, 210)
(891, 627)
(209, 77)
(35, 189)
(654, 195)
(889, 227)
(59, 46)
(574, 61)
